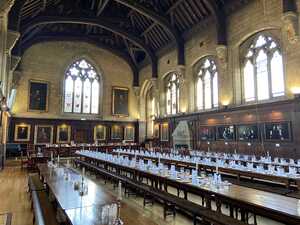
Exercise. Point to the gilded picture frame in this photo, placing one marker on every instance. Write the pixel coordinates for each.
(116, 132)
(38, 96)
(22, 132)
(100, 133)
(129, 133)
(63, 135)
(43, 134)
(120, 101)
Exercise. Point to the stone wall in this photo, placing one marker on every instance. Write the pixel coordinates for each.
(48, 62)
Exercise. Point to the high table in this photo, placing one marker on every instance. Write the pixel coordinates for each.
(78, 209)
(280, 208)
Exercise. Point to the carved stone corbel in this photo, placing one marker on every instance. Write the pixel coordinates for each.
(137, 91)
(291, 26)
(181, 73)
(222, 55)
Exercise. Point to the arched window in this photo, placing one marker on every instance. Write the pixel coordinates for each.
(150, 112)
(172, 93)
(207, 95)
(263, 76)
(82, 88)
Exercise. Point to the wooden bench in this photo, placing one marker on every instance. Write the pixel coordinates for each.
(170, 202)
(43, 211)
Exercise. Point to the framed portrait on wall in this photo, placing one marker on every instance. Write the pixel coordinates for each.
(38, 96)
(164, 132)
(99, 133)
(43, 134)
(63, 134)
(120, 101)
(22, 132)
(248, 132)
(129, 133)
(226, 133)
(156, 130)
(207, 133)
(116, 132)
(278, 131)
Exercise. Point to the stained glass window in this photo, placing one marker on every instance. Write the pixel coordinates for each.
(263, 75)
(207, 95)
(81, 88)
(172, 94)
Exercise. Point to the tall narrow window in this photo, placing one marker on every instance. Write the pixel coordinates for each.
(172, 94)
(263, 70)
(81, 88)
(207, 95)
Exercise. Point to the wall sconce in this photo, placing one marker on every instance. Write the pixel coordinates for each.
(277, 145)
(208, 143)
(249, 144)
(226, 143)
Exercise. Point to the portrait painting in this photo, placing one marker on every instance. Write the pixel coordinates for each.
(226, 133)
(129, 134)
(22, 132)
(164, 134)
(38, 96)
(279, 131)
(43, 134)
(156, 131)
(63, 134)
(248, 132)
(99, 133)
(120, 101)
(207, 133)
(116, 132)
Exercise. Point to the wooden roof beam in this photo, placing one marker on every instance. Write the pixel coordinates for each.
(162, 21)
(98, 23)
(14, 16)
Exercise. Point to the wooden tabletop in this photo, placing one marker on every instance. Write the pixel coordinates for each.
(259, 201)
(64, 192)
(86, 215)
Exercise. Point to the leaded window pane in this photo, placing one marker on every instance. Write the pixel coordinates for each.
(87, 96)
(77, 96)
(263, 70)
(249, 85)
(82, 88)
(95, 97)
(262, 76)
(68, 94)
(207, 91)
(277, 75)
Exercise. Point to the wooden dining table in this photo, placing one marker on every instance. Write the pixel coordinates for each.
(277, 207)
(78, 209)
(238, 173)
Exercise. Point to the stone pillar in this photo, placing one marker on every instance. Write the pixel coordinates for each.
(183, 90)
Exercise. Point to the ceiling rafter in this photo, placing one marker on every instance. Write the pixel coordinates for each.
(86, 39)
(162, 21)
(95, 22)
(15, 15)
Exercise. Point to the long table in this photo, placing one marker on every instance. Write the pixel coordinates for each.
(280, 208)
(287, 181)
(73, 205)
